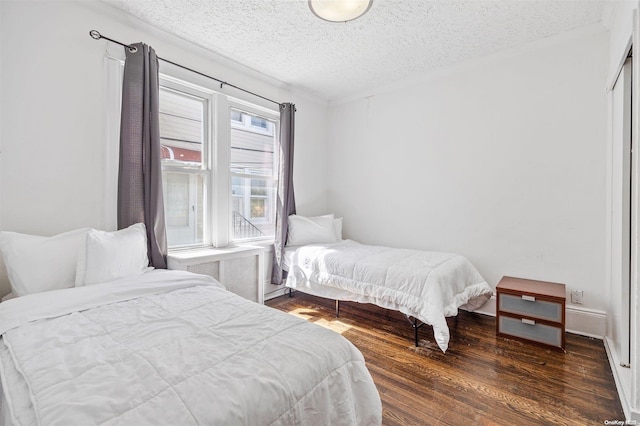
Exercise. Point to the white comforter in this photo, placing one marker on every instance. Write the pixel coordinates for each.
(426, 285)
(174, 348)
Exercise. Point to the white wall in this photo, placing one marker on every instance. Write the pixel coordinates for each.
(52, 165)
(500, 159)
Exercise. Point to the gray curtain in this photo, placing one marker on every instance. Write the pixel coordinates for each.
(286, 203)
(140, 173)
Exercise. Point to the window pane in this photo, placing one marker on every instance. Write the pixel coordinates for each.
(177, 199)
(258, 208)
(237, 187)
(252, 149)
(252, 208)
(236, 116)
(253, 183)
(184, 199)
(259, 122)
(259, 187)
(181, 128)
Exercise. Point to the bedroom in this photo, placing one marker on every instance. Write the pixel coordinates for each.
(515, 177)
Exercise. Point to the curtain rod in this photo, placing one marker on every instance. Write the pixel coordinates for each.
(97, 36)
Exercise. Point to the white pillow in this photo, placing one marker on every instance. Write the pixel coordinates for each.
(36, 263)
(337, 224)
(108, 256)
(311, 230)
(337, 228)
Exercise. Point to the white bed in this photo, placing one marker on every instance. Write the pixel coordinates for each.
(96, 336)
(427, 286)
(174, 348)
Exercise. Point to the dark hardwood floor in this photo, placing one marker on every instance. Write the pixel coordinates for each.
(481, 379)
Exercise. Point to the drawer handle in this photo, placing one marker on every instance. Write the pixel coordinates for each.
(528, 321)
(528, 298)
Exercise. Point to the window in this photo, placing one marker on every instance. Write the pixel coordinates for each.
(183, 133)
(218, 166)
(253, 171)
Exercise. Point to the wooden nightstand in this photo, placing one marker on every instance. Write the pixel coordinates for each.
(532, 311)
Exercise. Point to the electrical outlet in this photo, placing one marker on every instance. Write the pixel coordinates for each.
(576, 296)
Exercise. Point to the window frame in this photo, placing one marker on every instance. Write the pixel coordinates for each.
(218, 221)
(261, 112)
(206, 168)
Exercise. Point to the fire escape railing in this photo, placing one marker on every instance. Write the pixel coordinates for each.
(244, 228)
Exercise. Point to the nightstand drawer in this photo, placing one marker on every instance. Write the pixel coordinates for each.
(531, 306)
(530, 330)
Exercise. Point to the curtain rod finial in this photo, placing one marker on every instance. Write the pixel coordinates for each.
(95, 35)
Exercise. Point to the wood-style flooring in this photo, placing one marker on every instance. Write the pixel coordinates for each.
(482, 379)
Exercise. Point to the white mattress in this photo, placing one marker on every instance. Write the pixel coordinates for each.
(171, 347)
(429, 286)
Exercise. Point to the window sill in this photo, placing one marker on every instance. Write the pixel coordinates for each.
(214, 253)
(267, 245)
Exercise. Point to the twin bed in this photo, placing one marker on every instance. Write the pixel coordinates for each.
(426, 286)
(97, 337)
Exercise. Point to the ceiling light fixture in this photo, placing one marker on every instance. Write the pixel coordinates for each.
(339, 10)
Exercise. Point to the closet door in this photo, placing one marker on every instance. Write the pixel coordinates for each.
(621, 212)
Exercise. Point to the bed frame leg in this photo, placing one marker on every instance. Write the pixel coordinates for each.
(415, 330)
(337, 308)
(290, 292)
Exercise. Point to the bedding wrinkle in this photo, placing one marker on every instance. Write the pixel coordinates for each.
(312, 350)
(338, 418)
(26, 403)
(32, 398)
(55, 388)
(169, 387)
(293, 402)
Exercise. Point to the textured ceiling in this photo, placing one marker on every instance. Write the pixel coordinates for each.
(395, 40)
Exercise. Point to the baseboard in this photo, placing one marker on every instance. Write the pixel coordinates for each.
(488, 308)
(583, 321)
(586, 322)
(621, 376)
(276, 293)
